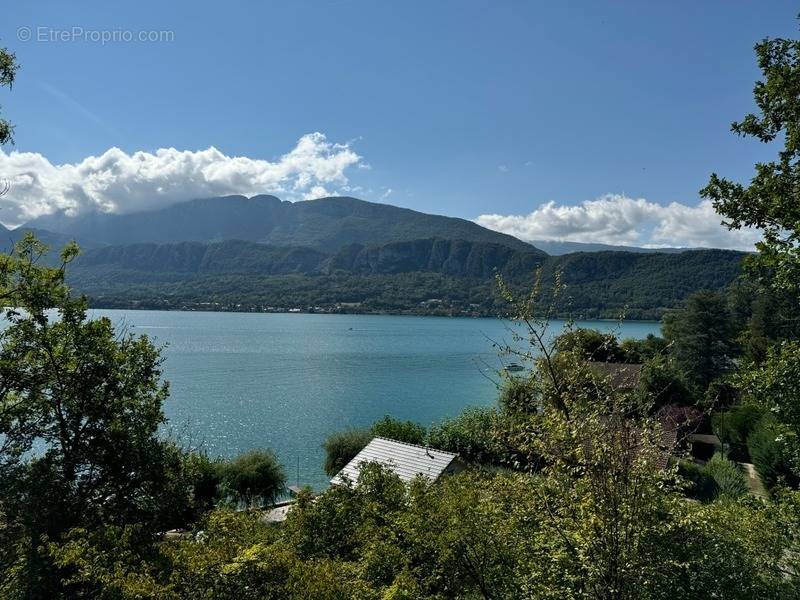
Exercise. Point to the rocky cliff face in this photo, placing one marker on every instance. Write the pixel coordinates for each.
(450, 257)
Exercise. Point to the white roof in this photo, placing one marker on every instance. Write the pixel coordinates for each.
(405, 460)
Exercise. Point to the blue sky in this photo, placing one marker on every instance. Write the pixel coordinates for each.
(462, 108)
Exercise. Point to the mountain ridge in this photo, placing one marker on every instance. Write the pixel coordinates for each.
(324, 224)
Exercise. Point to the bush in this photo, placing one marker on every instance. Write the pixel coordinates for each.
(471, 434)
(734, 426)
(639, 351)
(342, 446)
(701, 485)
(729, 480)
(516, 396)
(591, 345)
(767, 452)
(721, 394)
(254, 477)
(661, 384)
(402, 431)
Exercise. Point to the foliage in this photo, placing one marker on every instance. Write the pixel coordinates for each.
(661, 382)
(701, 339)
(472, 435)
(769, 454)
(8, 71)
(254, 478)
(402, 431)
(640, 351)
(728, 478)
(775, 385)
(734, 426)
(700, 485)
(769, 202)
(590, 344)
(736, 550)
(517, 397)
(341, 447)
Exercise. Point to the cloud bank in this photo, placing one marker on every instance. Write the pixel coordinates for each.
(617, 219)
(123, 183)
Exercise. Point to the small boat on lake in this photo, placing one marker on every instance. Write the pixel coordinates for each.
(514, 368)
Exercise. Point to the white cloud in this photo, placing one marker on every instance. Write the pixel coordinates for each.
(617, 219)
(122, 183)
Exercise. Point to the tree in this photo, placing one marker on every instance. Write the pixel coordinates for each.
(8, 71)
(770, 201)
(80, 409)
(402, 431)
(775, 386)
(661, 383)
(701, 339)
(592, 344)
(600, 492)
(254, 477)
(342, 446)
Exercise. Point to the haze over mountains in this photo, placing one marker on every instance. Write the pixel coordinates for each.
(261, 253)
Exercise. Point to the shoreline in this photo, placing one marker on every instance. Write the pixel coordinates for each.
(560, 317)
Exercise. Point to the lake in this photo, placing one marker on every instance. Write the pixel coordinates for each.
(285, 381)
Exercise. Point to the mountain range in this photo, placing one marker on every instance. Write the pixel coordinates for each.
(341, 253)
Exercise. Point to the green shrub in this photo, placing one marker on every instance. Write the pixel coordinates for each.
(590, 344)
(254, 477)
(471, 434)
(734, 426)
(728, 477)
(701, 485)
(402, 431)
(341, 447)
(766, 452)
(661, 383)
(516, 396)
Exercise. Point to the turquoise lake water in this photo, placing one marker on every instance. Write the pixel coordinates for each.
(285, 381)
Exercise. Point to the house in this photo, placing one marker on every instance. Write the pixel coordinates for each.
(407, 461)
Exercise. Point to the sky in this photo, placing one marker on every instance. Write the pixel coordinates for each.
(594, 121)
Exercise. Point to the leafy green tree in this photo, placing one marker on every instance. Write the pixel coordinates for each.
(775, 385)
(592, 344)
(8, 71)
(80, 410)
(662, 384)
(770, 454)
(639, 351)
(255, 478)
(473, 435)
(402, 431)
(769, 202)
(736, 550)
(342, 446)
